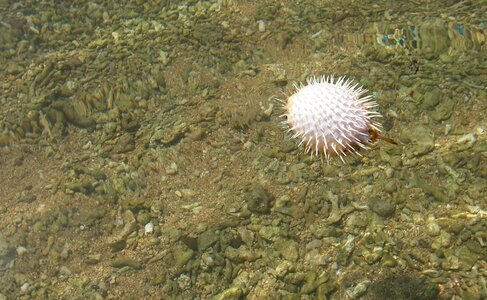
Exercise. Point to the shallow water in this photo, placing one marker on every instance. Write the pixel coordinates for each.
(143, 152)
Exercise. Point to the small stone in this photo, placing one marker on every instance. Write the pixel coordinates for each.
(14, 69)
(206, 239)
(451, 226)
(75, 113)
(326, 288)
(431, 98)
(316, 258)
(288, 249)
(172, 169)
(65, 271)
(269, 233)
(433, 229)
(388, 261)
(182, 255)
(441, 241)
(187, 193)
(432, 190)
(246, 235)
(282, 269)
(149, 228)
(240, 255)
(390, 187)
(421, 140)
(312, 281)
(123, 261)
(443, 111)
(158, 278)
(374, 256)
(4, 246)
(21, 250)
(143, 217)
(383, 207)
(467, 258)
(358, 290)
(451, 262)
(229, 294)
(24, 288)
(309, 283)
(125, 143)
(258, 199)
(93, 259)
(444, 57)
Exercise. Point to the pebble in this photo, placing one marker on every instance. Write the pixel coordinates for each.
(172, 168)
(431, 98)
(288, 249)
(383, 207)
(258, 198)
(123, 261)
(149, 228)
(65, 271)
(241, 254)
(21, 250)
(433, 229)
(93, 259)
(206, 239)
(421, 140)
(441, 241)
(24, 288)
(358, 290)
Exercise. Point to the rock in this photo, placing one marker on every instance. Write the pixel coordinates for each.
(144, 217)
(358, 290)
(207, 33)
(388, 261)
(431, 98)
(451, 262)
(421, 140)
(443, 111)
(312, 281)
(467, 259)
(246, 236)
(326, 288)
(4, 248)
(258, 199)
(169, 136)
(75, 112)
(288, 249)
(451, 225)
(118, 242)
(432, 190)
(240, 255)
(125, 143)
(133, 203)
(158, 278)
(93, 259)
(432, 228)
(171, 169)
(309, 283)
(279, 74)
(373, 256)
(13, 68)
(206, 239)
(383, 207)
(229, 294)
(269, 233)
(123, 261)
(441, 241)
(182, 255)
